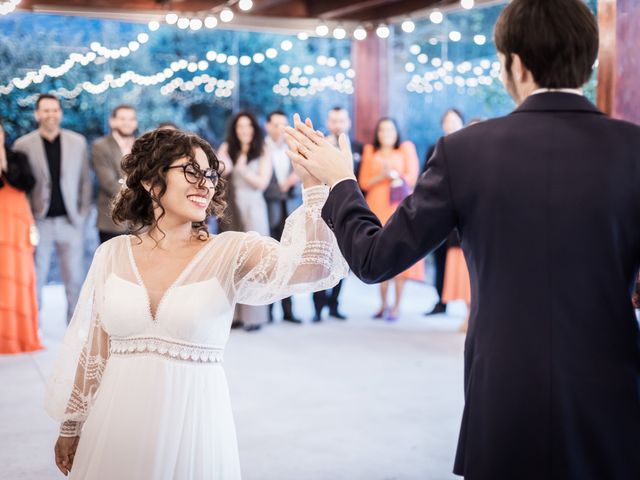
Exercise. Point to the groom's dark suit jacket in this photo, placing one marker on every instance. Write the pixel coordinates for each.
(547, 203)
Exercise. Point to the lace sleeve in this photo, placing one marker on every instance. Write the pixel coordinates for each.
(74, 383)
(306, 259)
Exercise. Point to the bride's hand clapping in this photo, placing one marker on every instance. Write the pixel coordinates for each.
(65, 451)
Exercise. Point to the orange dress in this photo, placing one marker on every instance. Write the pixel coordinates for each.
(18, 305)
(457, 285)
(405, 161)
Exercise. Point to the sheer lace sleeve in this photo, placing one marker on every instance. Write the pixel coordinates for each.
(74, 383)
(306, 259)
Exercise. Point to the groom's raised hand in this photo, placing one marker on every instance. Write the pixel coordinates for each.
(311, 151)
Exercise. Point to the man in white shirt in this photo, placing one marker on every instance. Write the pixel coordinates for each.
(283, 195)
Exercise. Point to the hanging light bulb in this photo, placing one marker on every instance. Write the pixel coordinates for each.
(171, 18)
(153, 25)
(467, 4)
(339, 33)
(303, 36)
(436, 16)
(408, 26)
(210, 22)
(360, 33)
(195, 24)
(245, 5)
(226, 15)
(183, 23)
(322, 30)
(383, 31)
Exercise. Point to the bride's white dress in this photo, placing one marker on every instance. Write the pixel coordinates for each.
(147, 393)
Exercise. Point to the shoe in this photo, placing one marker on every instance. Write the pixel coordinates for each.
(381, 314)
(236, 324)
(337, 315)
(392, 315)
(316, 318)
(252, 328)
(437, 309)
(292, 320)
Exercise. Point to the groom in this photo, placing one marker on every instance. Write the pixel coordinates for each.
(547, 202)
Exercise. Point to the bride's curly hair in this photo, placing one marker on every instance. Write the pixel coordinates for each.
(150, 156)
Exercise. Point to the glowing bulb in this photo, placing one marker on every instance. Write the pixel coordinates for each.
(339, 33)
(383, 31)
(210, 22)
(436, 16)
(286, 45)
(171, 18)
(226, 15)
(467, 4)
(245, 5)
(455, 36)
(480, 39)
(183, 23)
(153, 25)
(408, 26)
(195, 24)
(322, 30)
(303, 36)
(359, 33)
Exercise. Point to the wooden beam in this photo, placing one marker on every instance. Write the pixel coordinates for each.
(339, 9)
(371, 98)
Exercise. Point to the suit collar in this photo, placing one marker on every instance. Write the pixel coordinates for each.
(557, 102)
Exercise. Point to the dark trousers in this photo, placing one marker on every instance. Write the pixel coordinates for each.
(327, 298)
(105, 236)
(440, 260)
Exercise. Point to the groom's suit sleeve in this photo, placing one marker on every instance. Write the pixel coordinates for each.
(419, 225)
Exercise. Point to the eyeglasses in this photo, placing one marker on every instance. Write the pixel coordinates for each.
(195, 175)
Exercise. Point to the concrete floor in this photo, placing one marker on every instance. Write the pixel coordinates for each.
(355, 400)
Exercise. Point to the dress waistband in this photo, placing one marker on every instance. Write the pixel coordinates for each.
(165, 348)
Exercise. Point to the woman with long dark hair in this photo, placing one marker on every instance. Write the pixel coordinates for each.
(249, 171)
(388, 173)
(139, 387)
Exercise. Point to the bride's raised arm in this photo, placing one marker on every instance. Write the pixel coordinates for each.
(76, 376)
(306, 259)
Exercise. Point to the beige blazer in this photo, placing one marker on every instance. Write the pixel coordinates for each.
(75, 182)
(106, 156)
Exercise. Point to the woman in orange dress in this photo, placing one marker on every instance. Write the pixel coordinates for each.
(388, 172)
(18, 307)
(457, 285)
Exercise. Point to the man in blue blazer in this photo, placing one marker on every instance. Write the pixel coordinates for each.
(547, 202)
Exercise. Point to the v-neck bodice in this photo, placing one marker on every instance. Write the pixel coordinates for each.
(154, 306)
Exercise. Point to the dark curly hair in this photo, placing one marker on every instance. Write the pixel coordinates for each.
(233, 142)
(148, 161)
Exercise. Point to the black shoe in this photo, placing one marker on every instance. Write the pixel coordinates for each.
(252, 328)
(438, 309)
(337, 315)
(316, 318)
(236, 324)
(292, 319)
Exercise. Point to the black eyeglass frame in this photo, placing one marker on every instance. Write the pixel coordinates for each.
(210, 173)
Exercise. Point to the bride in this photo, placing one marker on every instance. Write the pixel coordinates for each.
(139, 387)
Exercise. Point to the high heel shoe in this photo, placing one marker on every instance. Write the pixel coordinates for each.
(382, 313)
(392, 315)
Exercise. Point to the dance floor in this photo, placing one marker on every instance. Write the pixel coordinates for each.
(354, 400)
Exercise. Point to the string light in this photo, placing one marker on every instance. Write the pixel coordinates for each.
(171, 18)
(339, 33)
(383, 31)
(322, 30)
(8, 7)
(245, 5)
(408, 26)
(210, 22)
(226, 15)
(455, 36)
(467, 4)
(480, 39)
(360, 33)
(436, 17)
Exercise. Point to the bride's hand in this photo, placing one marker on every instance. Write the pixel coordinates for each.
(307, 179)
(65, 451)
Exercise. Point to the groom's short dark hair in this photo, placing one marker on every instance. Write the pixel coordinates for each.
(556, 40)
